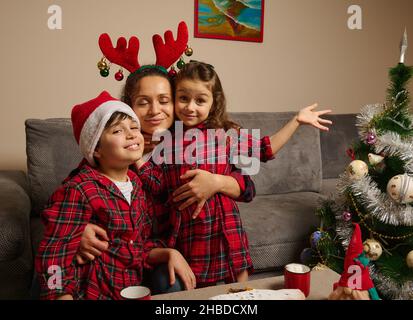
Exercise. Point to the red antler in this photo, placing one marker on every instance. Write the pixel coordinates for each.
(170, 51)
(122, 55)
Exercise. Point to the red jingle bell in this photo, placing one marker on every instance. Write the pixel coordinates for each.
(119, 75)
(172, 73)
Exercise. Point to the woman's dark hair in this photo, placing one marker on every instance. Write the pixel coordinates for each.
(131, 85)
(218, 116)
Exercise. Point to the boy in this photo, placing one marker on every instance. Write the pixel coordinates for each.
(103, 191)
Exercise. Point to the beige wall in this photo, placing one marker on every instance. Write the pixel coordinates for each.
(308, 55)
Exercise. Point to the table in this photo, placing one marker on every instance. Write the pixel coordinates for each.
(321, 286)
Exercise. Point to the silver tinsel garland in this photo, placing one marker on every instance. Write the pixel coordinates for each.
(392, 290)
(378, 204)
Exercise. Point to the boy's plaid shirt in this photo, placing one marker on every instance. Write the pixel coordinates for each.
(215, 243)
(87, 196)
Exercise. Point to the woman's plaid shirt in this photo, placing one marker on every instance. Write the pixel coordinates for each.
(87, 196)
(215, 243)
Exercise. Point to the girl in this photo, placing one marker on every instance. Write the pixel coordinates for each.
(215, 243)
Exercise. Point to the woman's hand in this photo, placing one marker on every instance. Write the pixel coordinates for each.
(202, 187)
(90, 244)
(178, 265)
(309, 116)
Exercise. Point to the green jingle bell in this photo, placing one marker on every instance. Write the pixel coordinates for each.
(180, 64)
(104, 72)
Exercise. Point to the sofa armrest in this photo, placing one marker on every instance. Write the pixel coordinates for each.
(15, 207)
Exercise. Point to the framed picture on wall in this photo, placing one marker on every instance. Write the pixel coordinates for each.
(241, 20)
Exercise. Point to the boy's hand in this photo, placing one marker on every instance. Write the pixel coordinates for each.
(309, 116)
(139, 163)
(90, 245)
(65, 297)
(177, 264)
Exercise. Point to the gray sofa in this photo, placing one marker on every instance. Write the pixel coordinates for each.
(278, 221)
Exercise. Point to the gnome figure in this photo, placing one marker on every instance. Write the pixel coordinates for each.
(355, 282)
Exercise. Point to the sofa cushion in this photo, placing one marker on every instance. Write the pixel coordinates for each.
(16, 261)
(297, 166)
(52, 152)
(279, 226)
(335, 143)
(14, 215)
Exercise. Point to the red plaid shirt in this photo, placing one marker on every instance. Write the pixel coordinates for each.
(161, 208)
(85, 197)
(214, 244)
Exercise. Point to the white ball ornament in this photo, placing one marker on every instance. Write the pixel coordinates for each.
(409, 259)
(373, 249)
(400, 188)
(357, 169)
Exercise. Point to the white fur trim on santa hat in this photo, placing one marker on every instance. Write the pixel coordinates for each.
(95, 124)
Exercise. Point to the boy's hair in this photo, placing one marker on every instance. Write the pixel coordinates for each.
(116, 118)
(132, 82)
(218, 115)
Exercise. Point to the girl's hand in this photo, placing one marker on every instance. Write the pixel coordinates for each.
(178, 265)
(311, 117)
(202, 187)
(90, 244)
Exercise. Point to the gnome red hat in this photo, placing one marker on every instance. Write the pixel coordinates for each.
(356, 271)
(89, 120)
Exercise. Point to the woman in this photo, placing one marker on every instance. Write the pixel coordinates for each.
(149, 92)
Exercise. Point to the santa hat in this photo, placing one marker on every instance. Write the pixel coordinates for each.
(354, 266)
(89, 120)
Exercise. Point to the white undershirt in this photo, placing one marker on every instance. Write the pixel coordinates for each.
(126, 189)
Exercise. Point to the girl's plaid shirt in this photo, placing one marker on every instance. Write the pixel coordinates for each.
(215, 243)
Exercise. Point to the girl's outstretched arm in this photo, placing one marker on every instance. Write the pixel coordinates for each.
(305, 116)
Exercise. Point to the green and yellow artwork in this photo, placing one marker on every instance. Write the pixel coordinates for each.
(230, 19)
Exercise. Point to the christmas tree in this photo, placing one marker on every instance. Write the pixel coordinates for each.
(376, 192)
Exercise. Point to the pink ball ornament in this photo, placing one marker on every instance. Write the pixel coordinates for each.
(347, 216)
(371, 138)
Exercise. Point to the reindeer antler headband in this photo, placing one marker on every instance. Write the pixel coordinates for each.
(126, 54)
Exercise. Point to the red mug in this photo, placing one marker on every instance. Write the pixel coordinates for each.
(297, 276)
(136, 293)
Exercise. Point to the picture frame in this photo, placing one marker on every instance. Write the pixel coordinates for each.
(239, 20)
